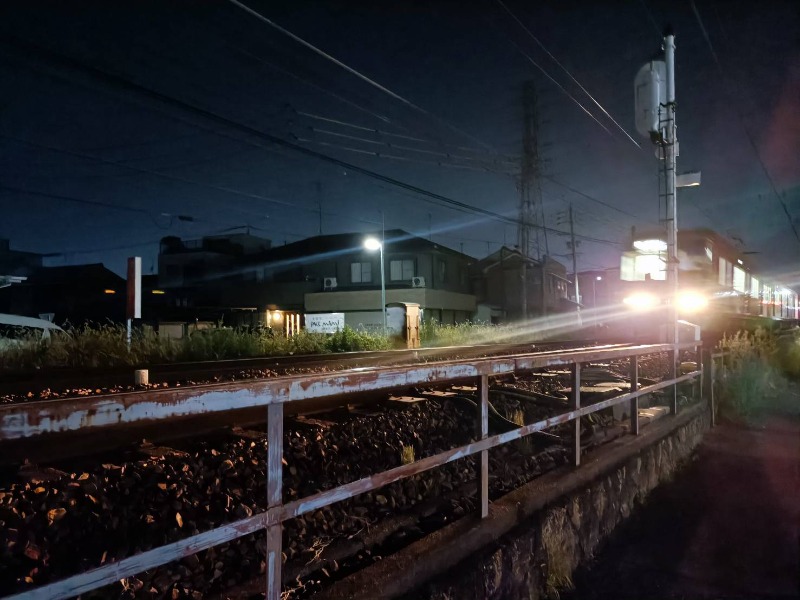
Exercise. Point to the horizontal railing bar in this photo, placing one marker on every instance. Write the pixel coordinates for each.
(23, 420)
(368, 484)
(127, 567)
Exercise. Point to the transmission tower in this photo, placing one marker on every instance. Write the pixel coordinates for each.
(531, 232)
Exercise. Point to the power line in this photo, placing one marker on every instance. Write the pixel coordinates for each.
(339, 97)
(744, 125)
(63, 198)
(164, 99)
(588, 197)
(557, 84)
(352, 71)
(381, 132)
(578, 83)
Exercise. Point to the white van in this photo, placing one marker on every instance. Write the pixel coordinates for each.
(15, 330)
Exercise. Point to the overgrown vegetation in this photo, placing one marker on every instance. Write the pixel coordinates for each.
(107, 346)
(756, 374)
(433, 333)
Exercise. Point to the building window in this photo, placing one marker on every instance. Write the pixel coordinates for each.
(361, 272)
(442, 271)
(401, 270)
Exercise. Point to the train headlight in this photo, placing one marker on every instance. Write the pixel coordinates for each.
(641, 301)
(692, 302)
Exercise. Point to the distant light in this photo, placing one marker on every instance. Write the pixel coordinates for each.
(372, 243)
(650, 245)
(158, 292)
(641, 301)
(692, 301)
(109, 291)
(599, 278)
(277, 316)
(739, 260)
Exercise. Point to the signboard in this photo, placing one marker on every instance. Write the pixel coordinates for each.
(134, 291)
(325, 322)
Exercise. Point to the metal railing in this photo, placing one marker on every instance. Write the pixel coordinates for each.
(275, 393)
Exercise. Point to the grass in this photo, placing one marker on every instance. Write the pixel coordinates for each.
(407, 455)
(103, 346)
(756, 375)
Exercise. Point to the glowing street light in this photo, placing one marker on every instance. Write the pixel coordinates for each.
(372, 244)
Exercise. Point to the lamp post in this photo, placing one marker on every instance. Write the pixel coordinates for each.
(373, 244)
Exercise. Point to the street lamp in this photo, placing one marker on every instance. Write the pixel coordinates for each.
(373, 244)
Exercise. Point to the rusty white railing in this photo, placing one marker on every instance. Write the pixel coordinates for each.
(275, 393)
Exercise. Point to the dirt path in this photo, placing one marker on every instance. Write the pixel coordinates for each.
(727, 527)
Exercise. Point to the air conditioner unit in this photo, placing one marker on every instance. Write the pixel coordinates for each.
(417, 282)
(329, 283)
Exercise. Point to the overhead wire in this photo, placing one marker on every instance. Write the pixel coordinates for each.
(84, 201)
(252, 132)
(558, 85)
(746, 129)
(563, 68)
(381, 131)
(164, 99)
(356, 73)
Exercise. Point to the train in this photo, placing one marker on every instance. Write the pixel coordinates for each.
(718, 287)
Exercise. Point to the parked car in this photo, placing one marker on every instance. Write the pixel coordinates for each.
(16, 330)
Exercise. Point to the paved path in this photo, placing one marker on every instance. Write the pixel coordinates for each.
(727, 527)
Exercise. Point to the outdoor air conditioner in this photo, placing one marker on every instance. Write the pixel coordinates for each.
(417, 282)
(329, 283)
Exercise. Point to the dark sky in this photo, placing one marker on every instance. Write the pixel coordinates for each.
(94, 169)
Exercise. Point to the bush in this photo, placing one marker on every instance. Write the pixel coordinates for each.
(350, 340)
(432, 333)
(752, 379)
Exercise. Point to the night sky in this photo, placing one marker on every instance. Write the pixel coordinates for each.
(123, 122)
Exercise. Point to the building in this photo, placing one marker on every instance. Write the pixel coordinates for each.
(16, 266)
(599, 287)
(498, 283)
(320, 274)
(75, 294)
(346, 277)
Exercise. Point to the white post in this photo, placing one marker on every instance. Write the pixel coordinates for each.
(383, 277)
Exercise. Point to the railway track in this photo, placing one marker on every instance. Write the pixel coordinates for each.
(210, 479)
(66, 382)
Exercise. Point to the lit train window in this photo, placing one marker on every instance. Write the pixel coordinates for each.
(755, 284)
(709, 253)
(723, 269)
(739, 283)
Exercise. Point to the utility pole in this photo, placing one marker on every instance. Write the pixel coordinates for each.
(318, 186)
(574, 256)
(671, 146)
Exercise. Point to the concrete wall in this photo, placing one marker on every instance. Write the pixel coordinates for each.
(536, 536)
(366, 300)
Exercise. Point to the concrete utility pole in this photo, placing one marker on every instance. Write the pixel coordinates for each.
(671, 148)
(574, 255)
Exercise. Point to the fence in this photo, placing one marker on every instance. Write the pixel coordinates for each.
(275, 393)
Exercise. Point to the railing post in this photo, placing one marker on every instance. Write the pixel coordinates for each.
(673, 356)
(708, 383)
(274, 498)
(576, 404)
(634, 374)
(483, 467)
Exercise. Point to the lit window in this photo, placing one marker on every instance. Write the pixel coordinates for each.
(739, 280)
(754, 287)
(709, 253)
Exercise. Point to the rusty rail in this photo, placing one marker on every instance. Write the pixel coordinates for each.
(275, 393)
